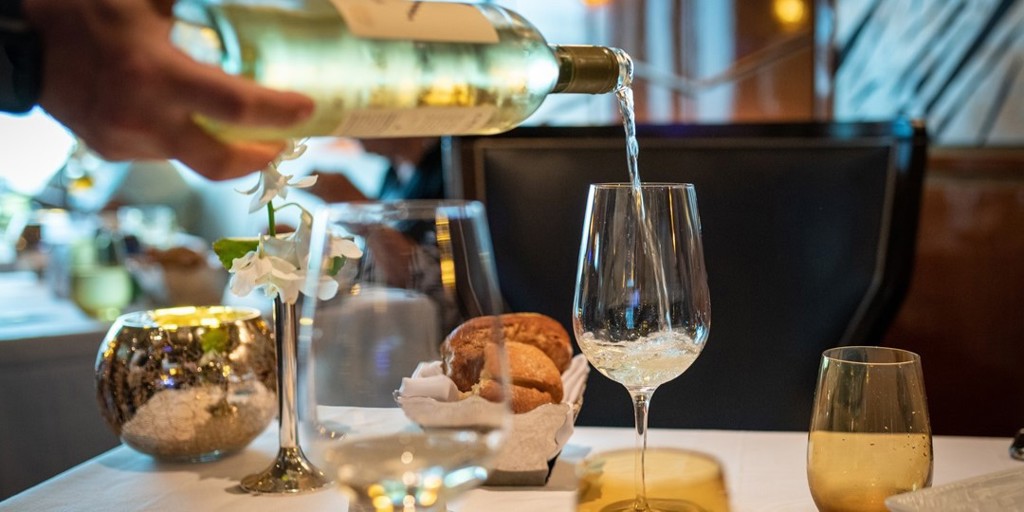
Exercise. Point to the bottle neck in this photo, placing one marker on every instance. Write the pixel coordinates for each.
(592, 69)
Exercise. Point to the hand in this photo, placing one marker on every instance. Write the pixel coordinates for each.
(111, 75)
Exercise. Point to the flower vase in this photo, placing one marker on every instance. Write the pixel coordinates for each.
(291, 472)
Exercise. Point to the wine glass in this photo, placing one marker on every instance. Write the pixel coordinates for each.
(388, 441)
(641, 311)
(870, 436)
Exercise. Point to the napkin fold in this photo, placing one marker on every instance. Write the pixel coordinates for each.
(428, 380)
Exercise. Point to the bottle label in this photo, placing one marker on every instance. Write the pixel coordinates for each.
(426, 121)
(417, 21)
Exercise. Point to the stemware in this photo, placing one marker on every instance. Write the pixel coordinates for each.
(870, 436)
(389, 441)
(641, 311)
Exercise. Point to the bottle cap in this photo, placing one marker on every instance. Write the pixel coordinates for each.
(592, 69)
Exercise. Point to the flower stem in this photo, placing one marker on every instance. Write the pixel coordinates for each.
(272, 230)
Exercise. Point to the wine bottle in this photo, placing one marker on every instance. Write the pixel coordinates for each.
(392, 68)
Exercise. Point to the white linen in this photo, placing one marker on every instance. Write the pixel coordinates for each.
(765, 472)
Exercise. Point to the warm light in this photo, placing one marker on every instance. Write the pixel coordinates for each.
(790, 12)
(205, 316)
(596, 3)
(444, 243)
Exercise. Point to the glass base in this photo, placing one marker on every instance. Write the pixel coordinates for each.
(676, 481)
(654, 506)
(290, 473)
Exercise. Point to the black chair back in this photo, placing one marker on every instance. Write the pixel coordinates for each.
(808, 230)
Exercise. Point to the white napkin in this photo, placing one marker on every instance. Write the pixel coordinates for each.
(428, 380)
(536, 436)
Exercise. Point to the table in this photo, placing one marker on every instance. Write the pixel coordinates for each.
(764, 473)
(49, 420)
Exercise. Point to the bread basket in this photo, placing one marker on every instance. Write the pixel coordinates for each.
(536, 438)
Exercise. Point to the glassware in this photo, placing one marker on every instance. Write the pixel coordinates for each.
(641, 314)
(678, 480)
(99, 281)
(393, 69)
(187, 384)
(870, 436)
(427, 266)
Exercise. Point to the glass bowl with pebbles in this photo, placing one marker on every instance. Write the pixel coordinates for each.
(188, 384)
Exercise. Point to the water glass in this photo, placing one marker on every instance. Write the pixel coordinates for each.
(870, 437)
(426, 267)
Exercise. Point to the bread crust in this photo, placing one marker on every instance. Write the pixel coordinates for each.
(528, 367)
(524, 399)
(542, 332)
(537, 348)
(462, 352)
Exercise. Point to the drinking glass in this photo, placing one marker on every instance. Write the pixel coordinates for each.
(870, 436)
(641, 311)
(99, 281)
(677, 480)
(427, 267)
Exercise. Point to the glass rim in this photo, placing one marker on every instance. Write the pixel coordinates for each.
(151, 318)
(905, 356)
(643, 185)
(405, 203)
(411, 208)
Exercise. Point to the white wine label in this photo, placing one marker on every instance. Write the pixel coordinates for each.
(419, 122)
(417, 21)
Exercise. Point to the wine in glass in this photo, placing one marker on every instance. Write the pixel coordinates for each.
(641, 311)
(99, 281)
(870, 437)
(426, 267)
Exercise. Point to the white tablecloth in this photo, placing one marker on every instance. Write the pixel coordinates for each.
(764, 473)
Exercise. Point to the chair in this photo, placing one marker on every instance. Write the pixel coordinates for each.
(808, 230)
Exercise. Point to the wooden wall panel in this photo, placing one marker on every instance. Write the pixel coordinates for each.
(964, 312)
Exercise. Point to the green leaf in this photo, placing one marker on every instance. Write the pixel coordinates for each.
(336, 263)
(228, 249)
(215, 340)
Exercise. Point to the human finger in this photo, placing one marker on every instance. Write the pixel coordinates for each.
(238, 100)
(219, 160)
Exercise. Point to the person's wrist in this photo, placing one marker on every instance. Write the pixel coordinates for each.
(20, 59)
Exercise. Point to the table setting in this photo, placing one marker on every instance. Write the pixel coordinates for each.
(399, 382)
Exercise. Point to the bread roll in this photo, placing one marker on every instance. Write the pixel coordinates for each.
(462, 353)
(523, 399)
(528, 367)
(538, 350)
(542, 332)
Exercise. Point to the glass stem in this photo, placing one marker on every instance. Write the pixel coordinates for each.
(641, 403)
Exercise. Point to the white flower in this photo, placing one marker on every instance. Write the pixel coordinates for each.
(272, 183)
(279, 264)
(285, 248)
(327, 285)
(262, 269)
(345, 247)
(247, 273)
(284, 281)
